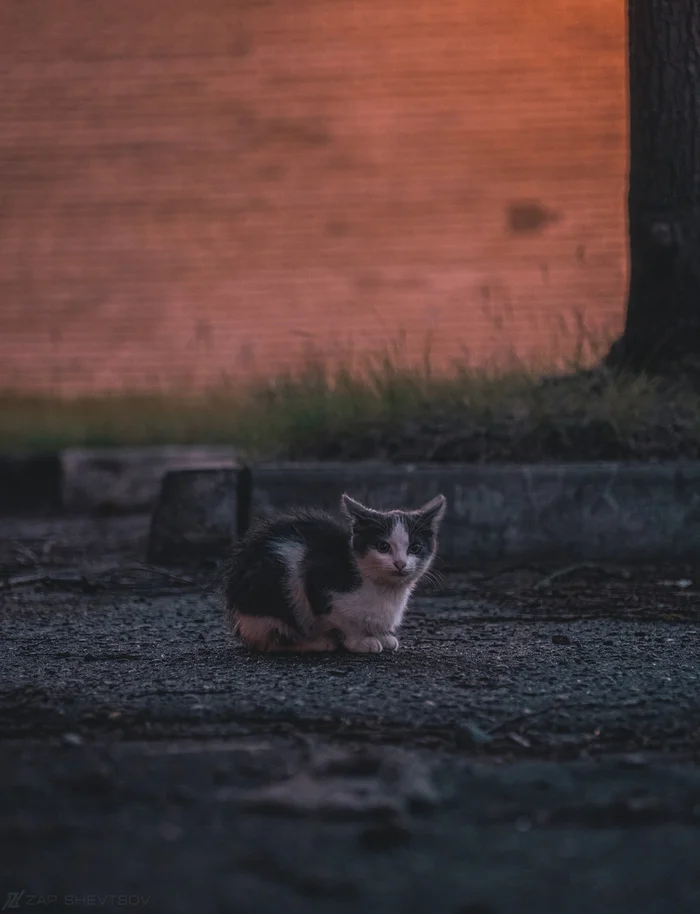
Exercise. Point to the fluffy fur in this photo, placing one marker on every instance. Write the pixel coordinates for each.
(305, 581)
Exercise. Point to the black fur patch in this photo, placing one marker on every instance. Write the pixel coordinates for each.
(256, 579)
(421, 535)
(368, 531)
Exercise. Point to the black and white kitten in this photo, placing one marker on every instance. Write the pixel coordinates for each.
(305, 581)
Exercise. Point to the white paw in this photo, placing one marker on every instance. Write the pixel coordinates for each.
(364, 645)
(389, 643)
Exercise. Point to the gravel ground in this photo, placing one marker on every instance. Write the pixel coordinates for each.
(533, 746)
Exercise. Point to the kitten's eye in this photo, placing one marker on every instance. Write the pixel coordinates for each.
(383, 546)
(415, 548)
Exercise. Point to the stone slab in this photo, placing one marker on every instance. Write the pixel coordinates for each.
(601, 511)
(196, 515)
(121, 480)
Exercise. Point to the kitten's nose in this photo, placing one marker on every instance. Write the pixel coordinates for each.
(399, 565)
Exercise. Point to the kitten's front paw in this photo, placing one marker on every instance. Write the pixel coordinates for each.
(364, 645)
(389, 643)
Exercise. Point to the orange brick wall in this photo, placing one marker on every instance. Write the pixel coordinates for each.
(191, 190)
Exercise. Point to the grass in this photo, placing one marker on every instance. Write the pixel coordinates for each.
(384, 408)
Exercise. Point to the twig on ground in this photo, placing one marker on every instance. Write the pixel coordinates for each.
(527, 715)
(565, 572)
(23, 580)
(43, 577)
(182, 579)
(27, 553)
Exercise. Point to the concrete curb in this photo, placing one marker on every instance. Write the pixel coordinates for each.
(120, 480)
(96, 480)
(597, 511)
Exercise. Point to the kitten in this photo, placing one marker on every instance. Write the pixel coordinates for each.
(305, 581)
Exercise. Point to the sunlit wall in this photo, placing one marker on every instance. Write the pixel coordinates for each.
(197, 190)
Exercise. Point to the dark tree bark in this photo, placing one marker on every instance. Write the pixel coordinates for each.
(662, 328)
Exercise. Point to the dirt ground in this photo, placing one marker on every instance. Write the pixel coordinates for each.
(532, 747)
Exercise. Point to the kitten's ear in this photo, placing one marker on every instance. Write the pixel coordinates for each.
(354, 511)
(433, 512)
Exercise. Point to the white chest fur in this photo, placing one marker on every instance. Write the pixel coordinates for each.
(371, 610)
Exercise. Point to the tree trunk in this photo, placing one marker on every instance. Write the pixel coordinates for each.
(662, 329)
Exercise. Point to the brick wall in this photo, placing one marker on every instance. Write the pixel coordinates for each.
(192, 190)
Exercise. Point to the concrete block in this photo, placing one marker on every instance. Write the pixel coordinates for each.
(121, 480)
(279, 486)
(597, 511)
(196, 516)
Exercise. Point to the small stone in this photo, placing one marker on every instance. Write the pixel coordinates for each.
(72, 739)
(561, 639)
(478, 735)
(643, 805)
(471, 735)
(634, 760)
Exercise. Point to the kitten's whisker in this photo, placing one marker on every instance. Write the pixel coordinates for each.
(434, 580)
